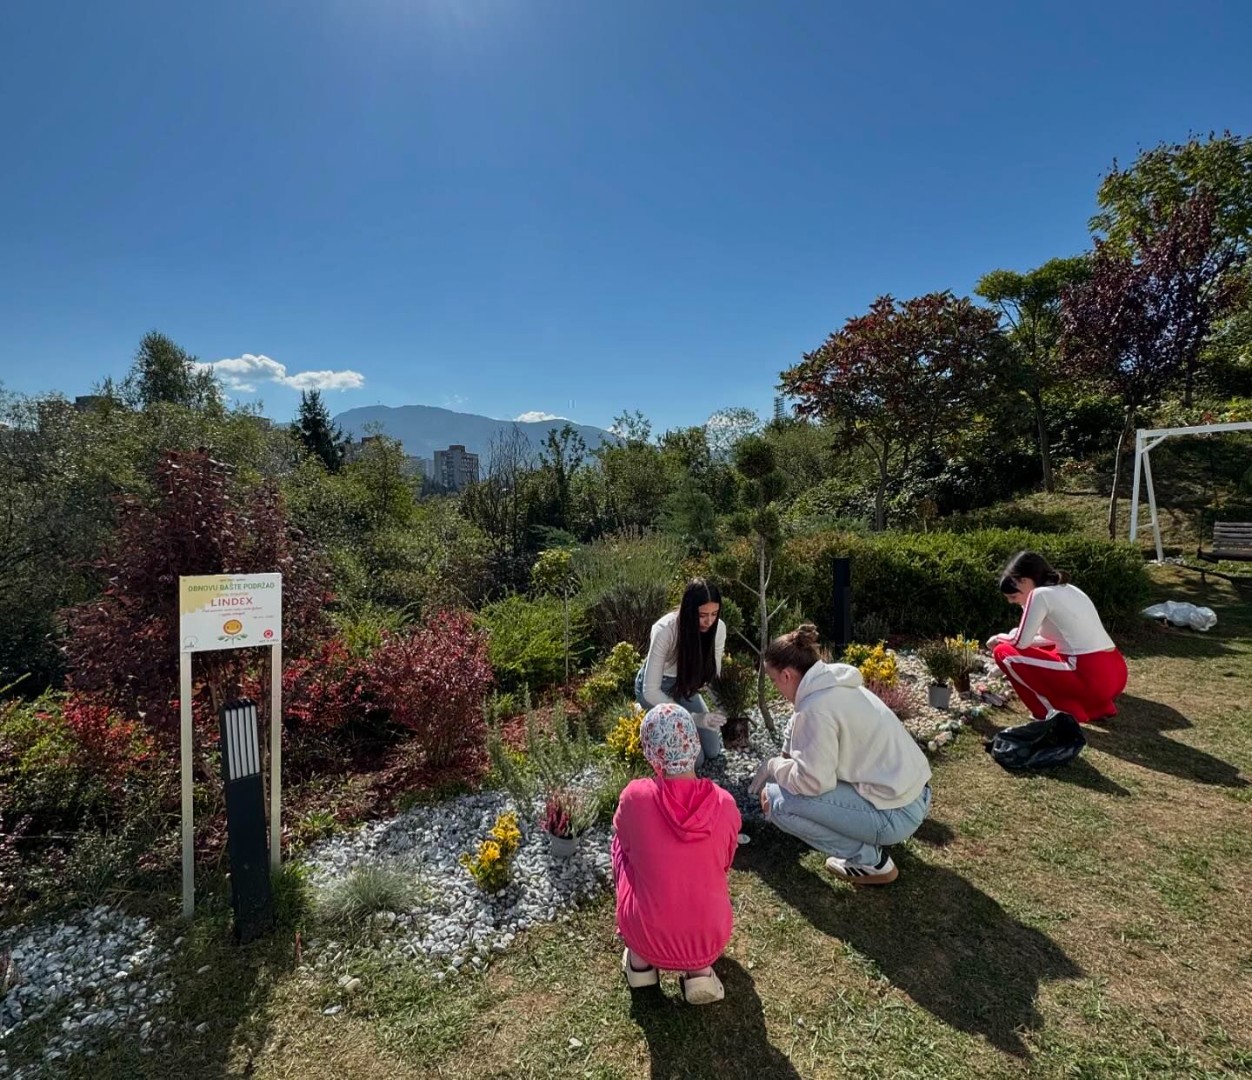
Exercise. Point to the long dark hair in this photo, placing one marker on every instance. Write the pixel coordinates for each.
(1030, 564)
(696, 661)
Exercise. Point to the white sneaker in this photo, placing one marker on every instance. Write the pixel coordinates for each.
(701, 989)
(859, 874)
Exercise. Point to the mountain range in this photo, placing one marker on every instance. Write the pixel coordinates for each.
(423, 429)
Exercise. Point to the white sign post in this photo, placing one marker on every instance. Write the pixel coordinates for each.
(230, 611)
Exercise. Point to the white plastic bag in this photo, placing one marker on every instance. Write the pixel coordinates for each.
(1178, 613)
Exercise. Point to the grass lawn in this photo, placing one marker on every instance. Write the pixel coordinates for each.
(1092, 923)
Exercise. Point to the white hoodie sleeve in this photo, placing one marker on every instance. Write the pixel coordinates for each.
(809, 764)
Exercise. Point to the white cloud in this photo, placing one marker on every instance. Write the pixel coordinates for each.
(243, 373)
(326, 380)
(536, 417)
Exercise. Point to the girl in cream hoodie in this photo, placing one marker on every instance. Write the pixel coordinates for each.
(850, 779)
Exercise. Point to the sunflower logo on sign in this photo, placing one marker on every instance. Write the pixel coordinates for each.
(232, 630)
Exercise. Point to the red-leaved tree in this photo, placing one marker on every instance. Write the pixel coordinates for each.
(1144, 315)
(123, 645)
(897, 380)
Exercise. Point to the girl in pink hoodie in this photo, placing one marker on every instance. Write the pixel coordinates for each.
(674, 840)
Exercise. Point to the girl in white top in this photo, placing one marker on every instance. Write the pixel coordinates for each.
(684, 656)
(1060, 657)
(850, 778)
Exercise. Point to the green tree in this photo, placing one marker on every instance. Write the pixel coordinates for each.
(560, 458)
(757, 463)
(1137, 202)
(636, 475)
(163, 373)
(1030, 305)
(688, 514)
(314, 428)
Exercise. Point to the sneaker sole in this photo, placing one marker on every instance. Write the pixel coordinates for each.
(859, 880)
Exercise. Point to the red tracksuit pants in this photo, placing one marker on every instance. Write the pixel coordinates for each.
(1083, 686)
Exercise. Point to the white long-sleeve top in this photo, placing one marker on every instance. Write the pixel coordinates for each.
(1064, 616)
(662, 657)
(842, 733)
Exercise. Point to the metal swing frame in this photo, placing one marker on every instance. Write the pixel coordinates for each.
(1146, 440)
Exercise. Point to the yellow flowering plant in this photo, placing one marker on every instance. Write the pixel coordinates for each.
(623, 738)
(876, 663)
(490, 864)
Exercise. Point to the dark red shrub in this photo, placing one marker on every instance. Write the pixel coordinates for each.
(105, 744)
(327, 690)
(433, 680)
(123, 645)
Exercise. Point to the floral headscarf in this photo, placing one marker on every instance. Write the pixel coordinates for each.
(669, 739)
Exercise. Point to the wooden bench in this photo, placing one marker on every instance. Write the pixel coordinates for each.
(1232, 541)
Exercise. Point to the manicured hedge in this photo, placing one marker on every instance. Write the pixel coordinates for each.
(940, 583)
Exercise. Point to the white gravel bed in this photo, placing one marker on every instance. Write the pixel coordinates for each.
(102, 970)
(452, 923)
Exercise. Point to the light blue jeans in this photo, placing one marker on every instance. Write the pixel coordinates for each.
(843, 823)
(710, 741)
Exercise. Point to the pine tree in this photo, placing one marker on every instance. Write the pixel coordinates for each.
(315, 429)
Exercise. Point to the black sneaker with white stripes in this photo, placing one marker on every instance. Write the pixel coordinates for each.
(859, 874)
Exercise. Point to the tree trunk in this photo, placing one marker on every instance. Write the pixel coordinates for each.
(1045, 451)
(565, 605)
(762, 704)
(1117, 470)
(880, 496)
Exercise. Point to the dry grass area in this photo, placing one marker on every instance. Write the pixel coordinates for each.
(1095, 922)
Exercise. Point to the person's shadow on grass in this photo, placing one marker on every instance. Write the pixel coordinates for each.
(725, 1039)
(948, 945)
(1137, 734)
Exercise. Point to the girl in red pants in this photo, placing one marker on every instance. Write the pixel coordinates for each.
(1060, 656)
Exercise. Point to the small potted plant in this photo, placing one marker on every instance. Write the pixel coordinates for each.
(564, 818)
(733, 691)
(941, 663)
(965, 661)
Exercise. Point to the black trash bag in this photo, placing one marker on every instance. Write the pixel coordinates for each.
(1041, 744)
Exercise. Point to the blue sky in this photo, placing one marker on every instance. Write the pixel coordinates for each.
(562, 206)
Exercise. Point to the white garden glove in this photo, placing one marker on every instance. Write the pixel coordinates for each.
(710, 721)
(995, 640)
(760, 779)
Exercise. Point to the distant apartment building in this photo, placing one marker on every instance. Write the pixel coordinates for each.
(455, 468)
(421, 467)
